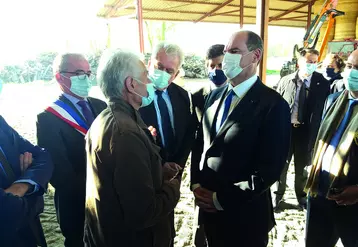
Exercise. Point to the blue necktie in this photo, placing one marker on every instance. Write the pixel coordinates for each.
(325, 181)
(87, 113)
(166, 122)
(227, 105)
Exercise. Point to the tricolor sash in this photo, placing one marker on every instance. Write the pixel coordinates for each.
(66, 113)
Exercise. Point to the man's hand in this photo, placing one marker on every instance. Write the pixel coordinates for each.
(204, 199)
(153, 131)
(348, 196)
(18, 189)
(170, 170)
(25, 161)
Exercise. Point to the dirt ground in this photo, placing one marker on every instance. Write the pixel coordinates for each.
(19, 105)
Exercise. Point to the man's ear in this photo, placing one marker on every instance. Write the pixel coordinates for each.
(58, 77)
(258, 55)
(129, 84)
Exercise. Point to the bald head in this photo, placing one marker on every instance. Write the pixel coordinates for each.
(251, 40)
(352, 62)
(65, 61)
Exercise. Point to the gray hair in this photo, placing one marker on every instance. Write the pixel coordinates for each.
(61, 61)
(114, 68)
(170, 49)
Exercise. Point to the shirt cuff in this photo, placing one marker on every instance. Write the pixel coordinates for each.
(195, 186)
(29, 181)
(216, 202)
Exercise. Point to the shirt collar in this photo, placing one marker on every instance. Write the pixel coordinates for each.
(73, 99)
(241, 89)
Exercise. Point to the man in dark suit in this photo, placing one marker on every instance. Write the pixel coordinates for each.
(61, 129)
(305, 91)
(171, 113)
(214, 59)
(25, 170)
(333, 182)
(244, 137)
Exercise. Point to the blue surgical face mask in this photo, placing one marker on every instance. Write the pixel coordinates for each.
(147, 100)
(80, 87)
(159, 78)
(351, 79)
(231, 64)
(310, 68)
(217, 76)
(330, 72)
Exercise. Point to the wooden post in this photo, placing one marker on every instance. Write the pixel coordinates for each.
(241, 14)
(140, 25)
(309, 16)
(262, 20)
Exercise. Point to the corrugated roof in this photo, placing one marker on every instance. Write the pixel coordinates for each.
(195, 10)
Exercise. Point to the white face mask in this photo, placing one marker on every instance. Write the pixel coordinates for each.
(231, 64)
(159, 78)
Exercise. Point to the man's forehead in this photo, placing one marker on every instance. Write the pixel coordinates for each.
(238, 40)
(353, 58)
(167, 60)
(77, 63)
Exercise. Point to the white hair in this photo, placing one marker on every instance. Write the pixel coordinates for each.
(170, 49)
(61, 61)
(114, 68)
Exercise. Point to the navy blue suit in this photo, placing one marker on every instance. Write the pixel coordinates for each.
(16, 212)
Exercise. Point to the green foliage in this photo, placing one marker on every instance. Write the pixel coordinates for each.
(194, 67)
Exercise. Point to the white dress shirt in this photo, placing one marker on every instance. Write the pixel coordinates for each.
(294, 114)
(75, 101)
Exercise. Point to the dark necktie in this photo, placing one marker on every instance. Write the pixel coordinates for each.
(87, 113)
(302, 103)
(166, 123)
(227, 105)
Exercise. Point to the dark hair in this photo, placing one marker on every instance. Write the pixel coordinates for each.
(339, 61)
(215, 51)
(254, 41)
(309, 51)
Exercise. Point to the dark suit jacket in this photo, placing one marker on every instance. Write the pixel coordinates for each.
(185, 123)
(67, 148)
(16, 212)
(317, 94)
(199, 98)
(245, 158)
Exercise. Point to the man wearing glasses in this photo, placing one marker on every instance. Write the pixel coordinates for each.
(61, 129)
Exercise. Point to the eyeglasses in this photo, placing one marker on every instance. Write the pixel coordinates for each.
(81, 74)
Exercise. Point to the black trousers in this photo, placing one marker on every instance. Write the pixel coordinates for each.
(221, 235)
(327, 222)
(298, 149)
(70, 210)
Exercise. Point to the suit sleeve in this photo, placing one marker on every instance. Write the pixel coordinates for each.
(40, 170)
(272, 151)
(142, 205)
(279, 86)
(53, 142)
(189, 137)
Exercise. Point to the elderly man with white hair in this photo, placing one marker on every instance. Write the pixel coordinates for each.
(171, 112)
(129, 193)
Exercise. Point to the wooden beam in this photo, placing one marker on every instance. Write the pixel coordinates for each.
(113, 9)
(241, 14)
(309, 16)
(140, 25)
(262, 20)
(298, 6)
(227, 12)
(214, 10)
(290, 19)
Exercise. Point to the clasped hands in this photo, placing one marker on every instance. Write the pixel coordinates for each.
(204, 199)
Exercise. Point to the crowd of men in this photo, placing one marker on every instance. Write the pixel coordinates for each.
(117, 166)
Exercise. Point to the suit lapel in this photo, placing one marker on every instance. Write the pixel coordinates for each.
(245, 105)
(149, 116)
(211, 113)
(178, 113)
